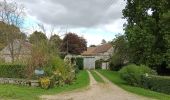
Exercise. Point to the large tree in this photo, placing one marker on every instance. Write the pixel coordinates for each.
(146, 32)
(103, 41)
(55, 43)
(2, 36)
(73, 44)
(38, 37)
(120, 54)
(11, 18)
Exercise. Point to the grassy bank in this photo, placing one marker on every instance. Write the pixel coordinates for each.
(115, 78)
(29, 93)
(97, 77)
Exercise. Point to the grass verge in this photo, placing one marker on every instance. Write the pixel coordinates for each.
(97, 77)
(30, 93)
(115, 78)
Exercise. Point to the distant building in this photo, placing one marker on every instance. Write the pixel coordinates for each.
(102, 52)
(21, 50)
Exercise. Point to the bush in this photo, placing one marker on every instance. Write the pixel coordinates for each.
(116, 62)
(12, 71)
(63, 72)
(132, 74)
(54, 63)
(157, 83)
(45, 82)
(79, 63)
(98, 64)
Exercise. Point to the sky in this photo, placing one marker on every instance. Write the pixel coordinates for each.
(93, 19)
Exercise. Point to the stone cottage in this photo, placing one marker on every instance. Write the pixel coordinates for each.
(21, 51)
(101, 52)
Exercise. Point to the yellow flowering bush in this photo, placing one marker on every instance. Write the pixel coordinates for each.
(45, 82)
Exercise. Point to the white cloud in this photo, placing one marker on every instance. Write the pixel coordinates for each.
(93, 19)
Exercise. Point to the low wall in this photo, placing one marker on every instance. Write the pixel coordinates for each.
(22, 82)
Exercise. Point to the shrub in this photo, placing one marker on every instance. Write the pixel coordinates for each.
(60, 71)
(79, 63)
(76, 69)
(12, 71)
(116, 62)
(157, 83)
(98, 64)
(54, 63)
(132, 74)
(45, 82)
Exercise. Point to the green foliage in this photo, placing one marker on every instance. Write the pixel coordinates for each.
(8, 92)
(132, 74)
(55, 43)
(120, 54)
(116, 62)
(12, 71)
(157, 83)
(37, 37)
(54, 63)
(63, 72)
(9, 33)
(79, 63)
(115, 78)
(98, 64)
(148, 34)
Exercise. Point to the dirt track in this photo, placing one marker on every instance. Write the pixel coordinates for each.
(96, 91)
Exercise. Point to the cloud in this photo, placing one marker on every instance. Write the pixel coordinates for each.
(74, 13)
(93, 19)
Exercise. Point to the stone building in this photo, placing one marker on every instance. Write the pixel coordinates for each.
(21, 51)
(101, 52)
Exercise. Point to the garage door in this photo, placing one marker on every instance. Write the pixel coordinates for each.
(89, 63)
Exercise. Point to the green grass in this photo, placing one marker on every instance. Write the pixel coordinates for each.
(115, 78)
(30, 93)
(97, 77)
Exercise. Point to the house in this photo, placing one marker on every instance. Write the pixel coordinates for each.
(20, 51)
(101, 52)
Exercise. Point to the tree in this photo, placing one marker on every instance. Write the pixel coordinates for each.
(120, 54)
(11, 17)
(7, 37)
(103, 41)
(37, 37)
(73, 44)
(55, 43)
(92, 45)
(146, 32)
(2, 36)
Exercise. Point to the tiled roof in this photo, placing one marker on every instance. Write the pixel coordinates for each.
(91, 51)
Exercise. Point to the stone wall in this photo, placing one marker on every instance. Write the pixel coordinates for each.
(21, 82)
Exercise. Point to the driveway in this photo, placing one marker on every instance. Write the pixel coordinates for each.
(96, 91)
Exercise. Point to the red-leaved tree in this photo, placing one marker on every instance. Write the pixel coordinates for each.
(73, 44)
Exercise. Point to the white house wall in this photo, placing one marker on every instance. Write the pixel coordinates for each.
(89, 62)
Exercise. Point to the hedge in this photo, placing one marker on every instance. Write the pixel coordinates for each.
(79, 63)
(157, 83)
(132, 73)
(12, 71)
(98, 64)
